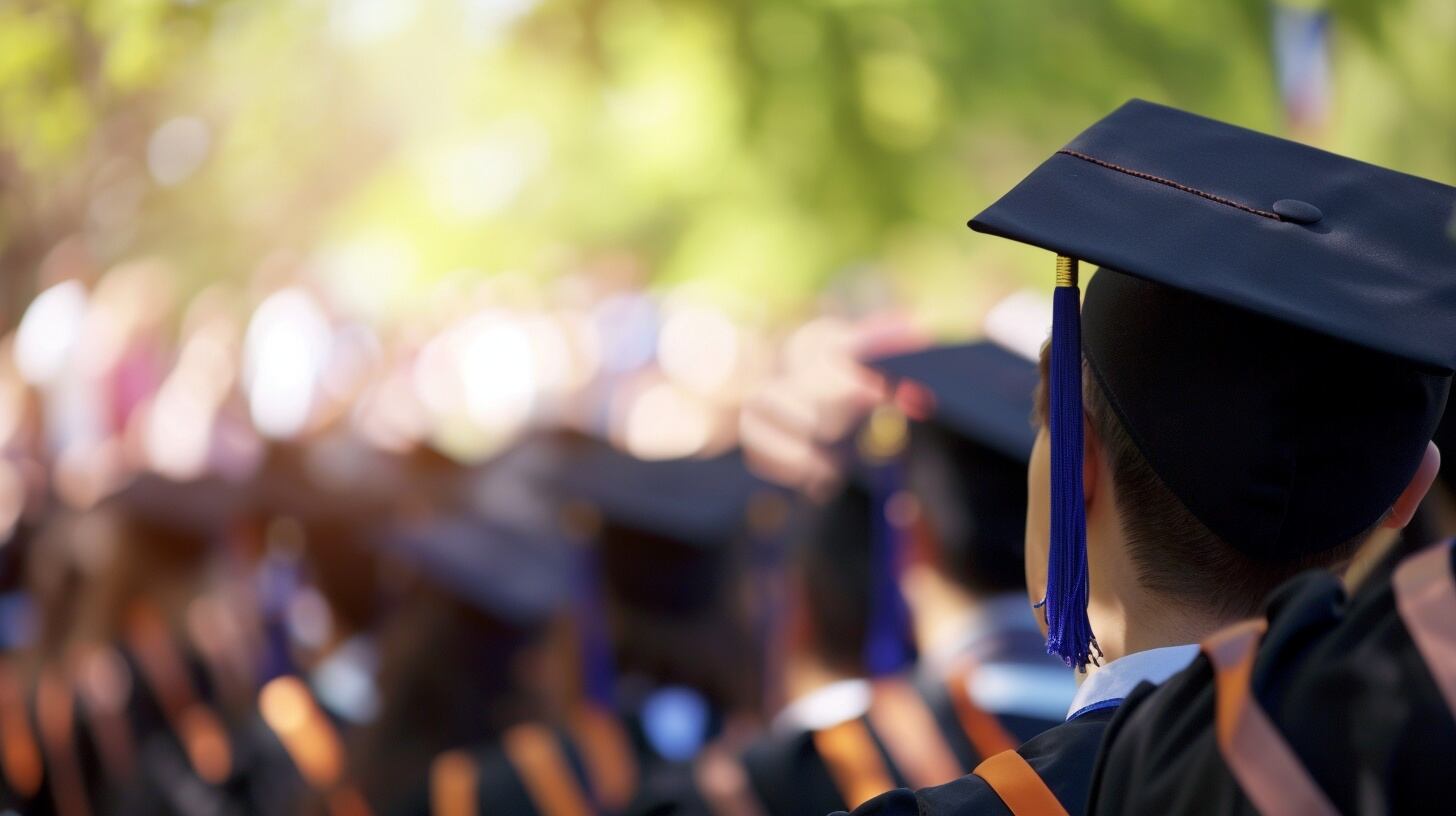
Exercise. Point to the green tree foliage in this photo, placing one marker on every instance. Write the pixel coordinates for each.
(756, 148)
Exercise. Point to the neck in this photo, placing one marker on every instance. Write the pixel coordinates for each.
(1129, 618)
(938, 606)
(804, 674)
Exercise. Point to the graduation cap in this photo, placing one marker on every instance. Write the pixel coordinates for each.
(519, 488)
(664, 524)
(510, 575)
(1274, 325)
(200, 506)
(981, 392)
(966, 461)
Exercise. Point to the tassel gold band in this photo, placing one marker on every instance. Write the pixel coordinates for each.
(1066, 271)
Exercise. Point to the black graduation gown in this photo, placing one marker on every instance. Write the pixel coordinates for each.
(785, 772)
(1339, 678)
(48, 766)
(500, 785)
(164, 779)
(1062, 756)
(787, 775)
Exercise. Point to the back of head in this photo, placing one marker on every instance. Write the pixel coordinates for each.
(450, 676)
(461, 653)
(974, 501)
(831, 562)
(965, 458)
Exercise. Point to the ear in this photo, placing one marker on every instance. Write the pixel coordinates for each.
(1409, 499)
(1091, 461)
(924, 548)
(798, 628)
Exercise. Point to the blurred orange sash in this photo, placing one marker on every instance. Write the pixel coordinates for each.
(911, 735)
(984, 729)
(854, 761)
(311, 741)
(195, 724)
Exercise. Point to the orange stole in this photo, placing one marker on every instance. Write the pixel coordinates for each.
(55, 709)
(724, 784)
(195, 724)
(312, 743)
(606, 752)
(1263, 764)
(19, 751)
(854, 761)
(985, 731)
(1020, 787)
(911, 735)
(545, 772)
(1425, 597)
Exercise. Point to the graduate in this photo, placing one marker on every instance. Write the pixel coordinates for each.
(671, 541)
(939, 505)
(316, 671)
(464, 662)
(1200, 440)
(129, 705)
(655, 667)
(823, 748)
(963, 466)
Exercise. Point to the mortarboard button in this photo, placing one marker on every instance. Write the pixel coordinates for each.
(1299, 212)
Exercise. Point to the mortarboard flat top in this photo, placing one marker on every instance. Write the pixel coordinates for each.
(516, 577)
(1319, 241)
(695, 502)
(202, 507)
(982, 392)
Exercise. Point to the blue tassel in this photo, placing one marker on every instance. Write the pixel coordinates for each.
(888, 643)
(1069, 632)
(279, 581)
(598, 672)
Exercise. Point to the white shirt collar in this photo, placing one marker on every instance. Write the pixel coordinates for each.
(826, 706)
(1118, 678)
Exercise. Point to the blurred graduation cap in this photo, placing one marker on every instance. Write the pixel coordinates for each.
(965, 461)
(663, 524)
(981, 392)
(1274, 325)
(513, 576)
(195, 512)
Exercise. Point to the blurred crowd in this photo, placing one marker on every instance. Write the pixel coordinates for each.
(577, 553)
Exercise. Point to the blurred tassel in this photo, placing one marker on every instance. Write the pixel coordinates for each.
(280, 580)
(888, 643)
(1069, 632)
(598, 671)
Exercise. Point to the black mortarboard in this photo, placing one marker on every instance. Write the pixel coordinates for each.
(199, 510)
(698, 502)
(510, 575)
(665, 523)
(981, 391)
(1274, 325)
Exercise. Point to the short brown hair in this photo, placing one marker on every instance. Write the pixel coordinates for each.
(1175, 554)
